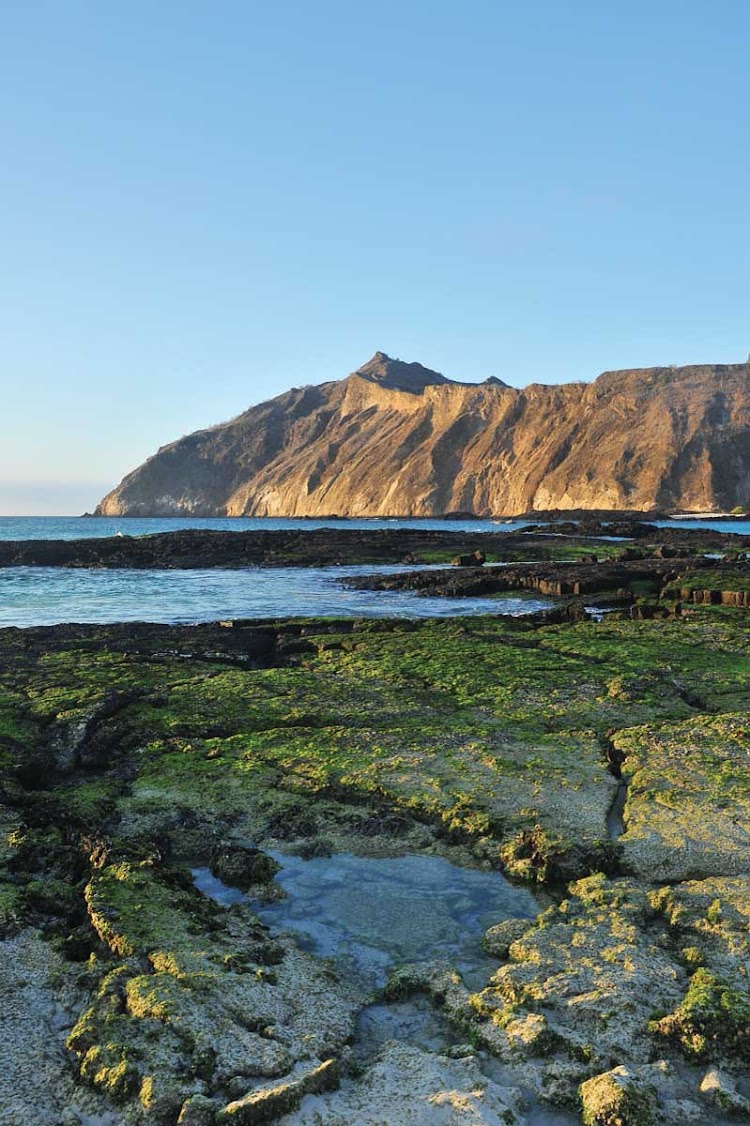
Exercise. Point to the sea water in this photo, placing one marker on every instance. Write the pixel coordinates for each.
(97, 527)
(42, 596)
(372, 913)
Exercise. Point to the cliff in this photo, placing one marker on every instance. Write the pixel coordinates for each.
(399, 439)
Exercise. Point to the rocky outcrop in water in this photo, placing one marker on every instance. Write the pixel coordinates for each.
(398, 439)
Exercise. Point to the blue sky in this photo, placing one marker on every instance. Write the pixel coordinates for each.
(204, 204)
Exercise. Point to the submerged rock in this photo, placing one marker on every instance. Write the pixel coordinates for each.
(241, 864)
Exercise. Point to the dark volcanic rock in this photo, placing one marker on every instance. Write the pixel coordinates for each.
(204, 548)
(240, 864)
(322, 546)
(558, 580)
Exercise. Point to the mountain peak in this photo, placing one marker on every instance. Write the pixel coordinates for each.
(399, 376)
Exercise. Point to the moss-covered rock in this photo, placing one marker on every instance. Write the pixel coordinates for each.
(268, 1103)
(712, 1018)
(501, 737)
(198, 1110)
(107, 1067)
(688, 803)
(616, 1098)
(240, 864)
(498, 939)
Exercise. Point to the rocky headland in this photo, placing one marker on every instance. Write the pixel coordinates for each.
(395, 438)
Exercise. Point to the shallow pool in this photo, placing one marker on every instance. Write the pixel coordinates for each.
(372, 914)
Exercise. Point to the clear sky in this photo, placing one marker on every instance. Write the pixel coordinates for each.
(203, 204)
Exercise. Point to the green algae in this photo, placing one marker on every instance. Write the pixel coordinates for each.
(688, 805)
(712, 1017)
(613, 1099)
(536, 549)
(710, 579)
(121, 750)
(107, 1067)
(477, 724)
(133, 911)
(11, 907)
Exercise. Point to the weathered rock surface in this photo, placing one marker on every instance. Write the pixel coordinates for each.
(398, 439)
(35, 1079)
(268, 1103)
(409, 1087)
(615, 1098)
(688, 807)
(128, 753)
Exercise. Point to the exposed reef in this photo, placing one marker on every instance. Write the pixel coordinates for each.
(130, 753)
(200, 548)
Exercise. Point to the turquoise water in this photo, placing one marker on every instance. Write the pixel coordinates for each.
(370, 915)
(738, 527)
(40, 596)
(31, 596)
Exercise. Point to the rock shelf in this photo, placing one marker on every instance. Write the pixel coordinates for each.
(129, 754)
(329, 546)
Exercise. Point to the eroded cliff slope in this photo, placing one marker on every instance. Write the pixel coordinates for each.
(399, 439)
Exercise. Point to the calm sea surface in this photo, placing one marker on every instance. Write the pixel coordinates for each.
(35, 596)
(77, 527)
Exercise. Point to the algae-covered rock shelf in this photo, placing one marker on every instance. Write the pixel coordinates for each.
(132, 754)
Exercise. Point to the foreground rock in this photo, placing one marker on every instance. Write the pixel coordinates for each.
(130, 754)
(271, 1103)
(35, 1079)
(618, 1097)
(409, 1087)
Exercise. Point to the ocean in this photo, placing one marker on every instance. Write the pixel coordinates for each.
(93, 527)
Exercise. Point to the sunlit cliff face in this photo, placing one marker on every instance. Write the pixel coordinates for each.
(399, 439)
